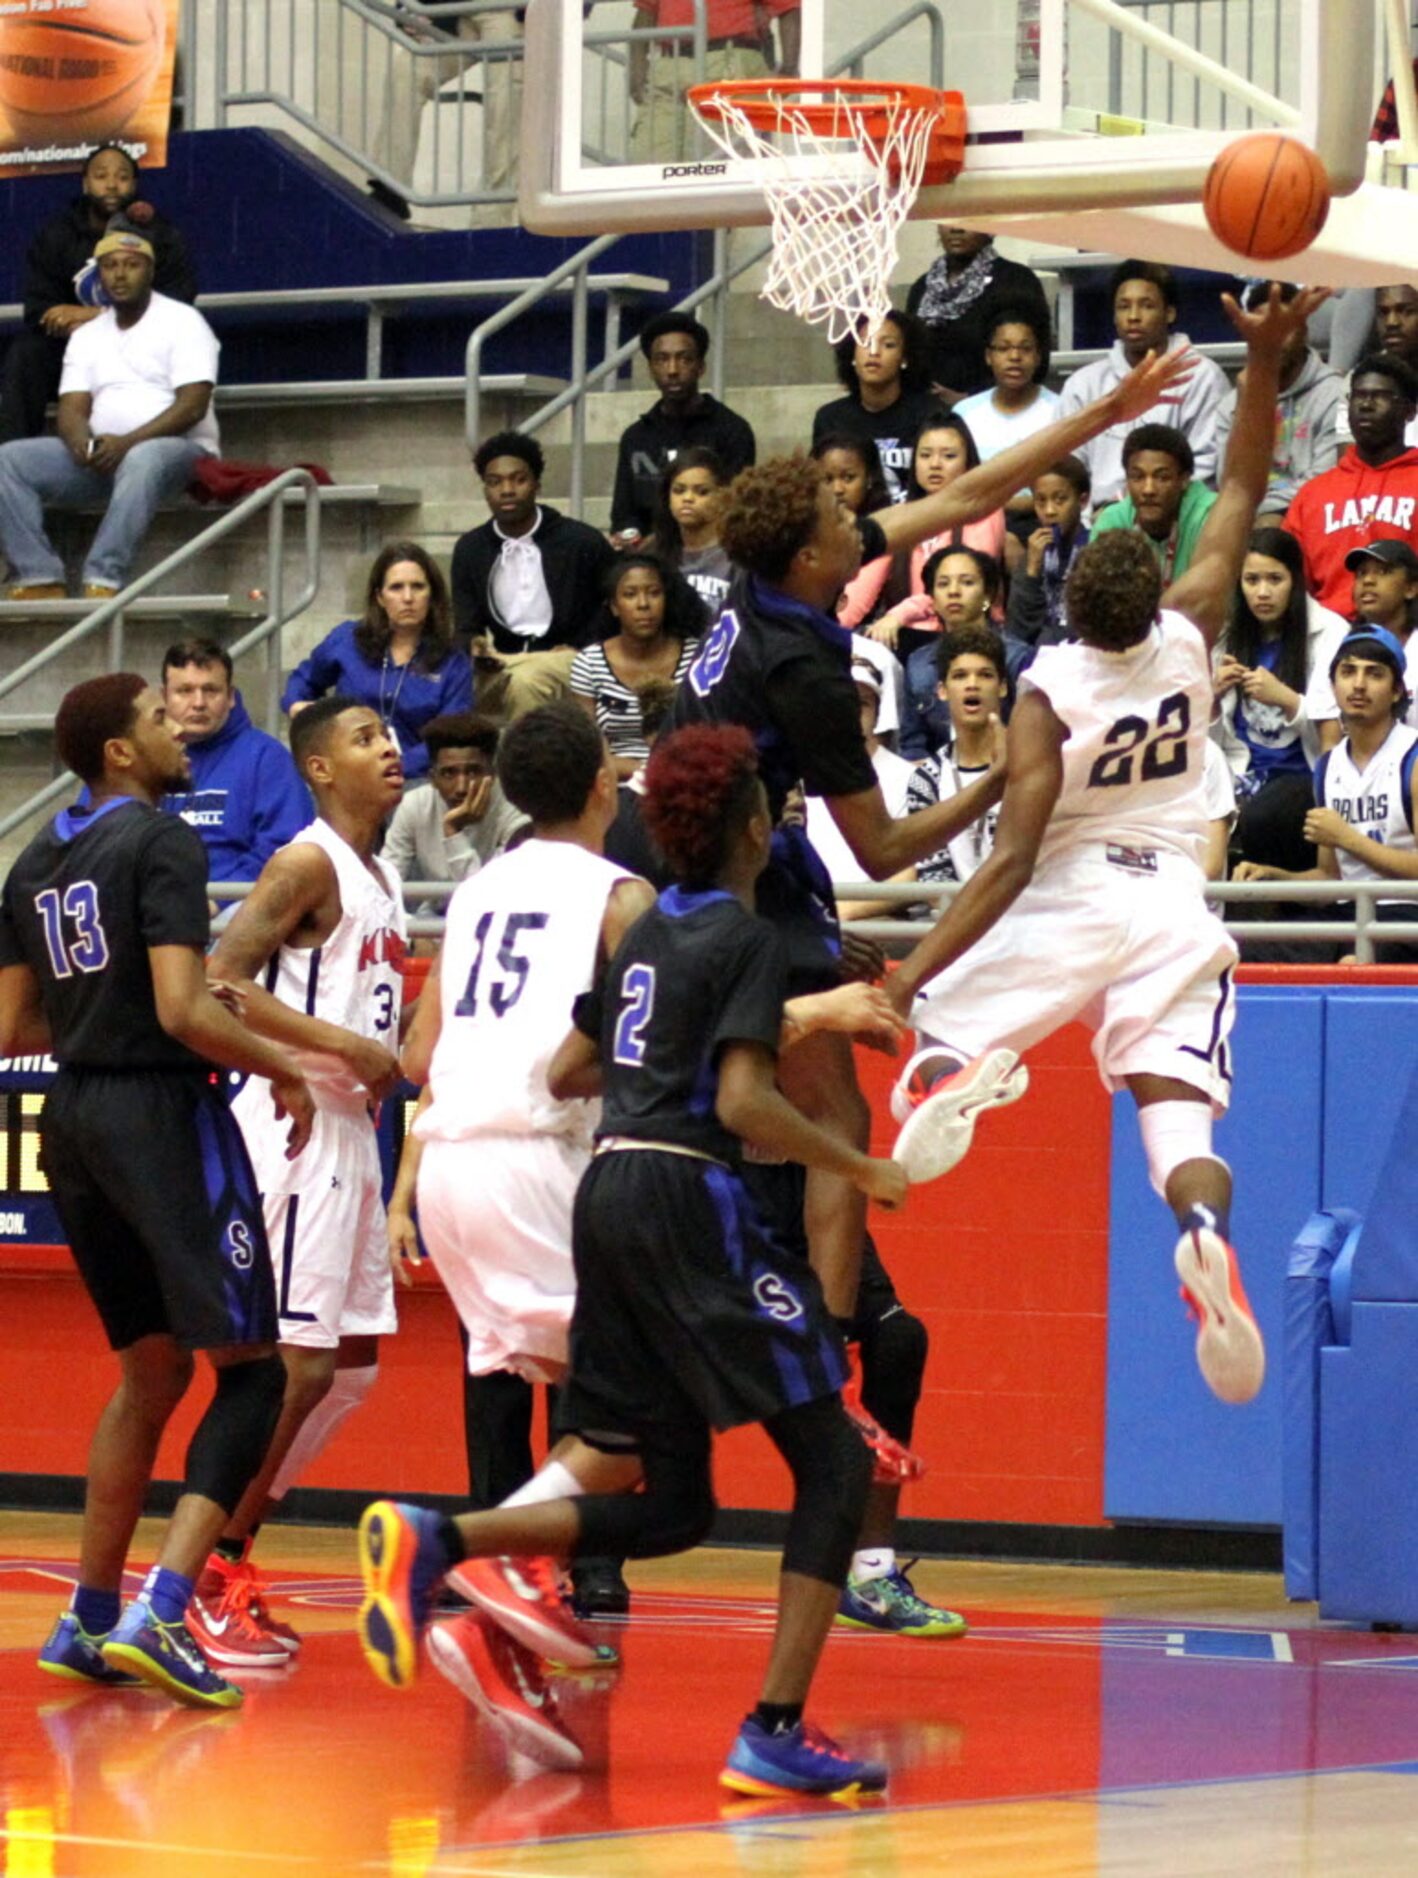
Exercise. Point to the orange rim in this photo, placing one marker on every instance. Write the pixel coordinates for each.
(867, 102)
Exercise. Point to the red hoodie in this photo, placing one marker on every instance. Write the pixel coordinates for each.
(1346, 508)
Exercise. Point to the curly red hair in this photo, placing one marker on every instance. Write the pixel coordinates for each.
(700, 788)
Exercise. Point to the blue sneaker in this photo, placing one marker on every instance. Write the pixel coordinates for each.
(802, 1761)
(71, 1652)
(403, 1565)
(890, 1603)
(168, 1656)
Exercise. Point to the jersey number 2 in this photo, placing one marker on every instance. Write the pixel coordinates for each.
(503, 993)
(1163, 746)
(637, 992)
(89, 952)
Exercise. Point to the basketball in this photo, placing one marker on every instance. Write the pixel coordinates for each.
(78, 74)
(1266, 196)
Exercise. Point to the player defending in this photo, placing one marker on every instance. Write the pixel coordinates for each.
(323, 931)
(688, 1316)
(103, 926)
(1092, 903)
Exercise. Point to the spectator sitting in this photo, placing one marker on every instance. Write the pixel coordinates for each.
(449, 830)
(1385, 591)
(246, 797)
(887, 399)
(654, 619)
(738, 44)
(963, 586)
(1366, 788)
(1144, 302)
(851, 468)
(1164, 503)
(1371, 494)
(56, 259)
(686, 537)
(1020, 403)
(526, 583)
(676, 348)
(894, 774)
(399, 659)
(1395, 334)
(973, 685)
(1037, 614)
(955, 301)
(1276, 704)
(135, 413)
(1306, 412)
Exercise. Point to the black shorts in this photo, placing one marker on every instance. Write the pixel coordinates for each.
(776, 1189)
(687, 1309)
(153, 1187)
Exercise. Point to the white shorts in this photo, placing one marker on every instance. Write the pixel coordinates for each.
(495, 1213)
(1134, 954)
(325, 1223)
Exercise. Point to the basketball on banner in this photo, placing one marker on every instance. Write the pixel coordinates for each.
(75, 73)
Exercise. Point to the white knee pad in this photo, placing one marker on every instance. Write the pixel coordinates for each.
(341, 1399)
(1174, 1132)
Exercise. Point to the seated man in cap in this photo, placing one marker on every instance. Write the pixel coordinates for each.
(1385, 590)
(135, 413)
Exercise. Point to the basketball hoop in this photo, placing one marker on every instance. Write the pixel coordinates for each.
(843, 160)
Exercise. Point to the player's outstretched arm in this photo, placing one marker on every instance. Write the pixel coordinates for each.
(24, 1029)
(190, 1014)
(884, 844)
(857, 1010)
(980, 491)
(1035, 776)
(1205, 591)
(751, 1105)
(296, 898)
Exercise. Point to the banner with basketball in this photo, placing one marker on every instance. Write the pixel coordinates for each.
(75, 73)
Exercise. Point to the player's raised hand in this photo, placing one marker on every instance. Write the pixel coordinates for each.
(1149, 384)
(1267, 327)
(377, 1068)
(294, 1101)
(882, 1181)
(999, 743)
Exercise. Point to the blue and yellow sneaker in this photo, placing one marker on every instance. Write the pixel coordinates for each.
(804, 1760)
(890, 1603)
(402, 1564)
(169, 1657)
(70, 1651)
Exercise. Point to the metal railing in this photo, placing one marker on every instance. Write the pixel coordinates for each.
(290, 487)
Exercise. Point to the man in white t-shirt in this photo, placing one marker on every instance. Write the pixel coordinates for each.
(135, 413)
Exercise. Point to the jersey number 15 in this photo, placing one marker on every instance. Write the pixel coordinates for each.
(503, 993)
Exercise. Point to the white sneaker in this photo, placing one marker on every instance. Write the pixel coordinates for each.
(937, 1128)
(1229, 1351)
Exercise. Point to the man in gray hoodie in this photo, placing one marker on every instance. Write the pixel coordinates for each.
(1309, 412)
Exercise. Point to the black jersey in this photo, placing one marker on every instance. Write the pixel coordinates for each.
(82, 905)
(695, 972)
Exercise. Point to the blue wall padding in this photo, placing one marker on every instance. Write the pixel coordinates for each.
(1309, 1324)
(1386, 1264)
(1173, 1452)
(1370, 1055)
(1368, 1535)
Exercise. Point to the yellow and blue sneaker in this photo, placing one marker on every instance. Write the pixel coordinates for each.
(70, 1651)
(402, 1563)
(890, 1603)
(799, 1760)
(167, 1656)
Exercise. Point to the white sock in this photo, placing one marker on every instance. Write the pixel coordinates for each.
(874, 1563)
(347, 1390)
(553, 1480)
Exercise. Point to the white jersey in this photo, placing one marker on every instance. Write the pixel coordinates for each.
(354, 979)
(1377, 799)
(1137, 728)
(519, 949)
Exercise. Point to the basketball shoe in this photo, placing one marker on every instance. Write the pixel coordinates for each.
(504, 1681)
(402, 1563)
(70, 1651)
(167, 1656)
(938, 1100)
(804, 1760)
(1229, 1351)
(891, 1461)
(890, 1603)
(523, 1597)
(229, 1620)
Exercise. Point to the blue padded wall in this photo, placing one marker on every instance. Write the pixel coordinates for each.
(1172, 1451)
(1368, 1535)
(1371, 1053)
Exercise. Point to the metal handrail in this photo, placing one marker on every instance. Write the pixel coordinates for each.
(274, 497)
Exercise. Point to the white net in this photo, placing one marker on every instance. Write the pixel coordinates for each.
(838, 196)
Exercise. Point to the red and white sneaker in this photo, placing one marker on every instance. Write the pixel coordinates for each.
(938, 1118)
(1229, 1351)
(892, 1462)
(222, 1619)
(523, 1597)
(273, 1626)
(504, 1681)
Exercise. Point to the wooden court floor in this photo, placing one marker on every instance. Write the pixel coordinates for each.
(1143, 1724)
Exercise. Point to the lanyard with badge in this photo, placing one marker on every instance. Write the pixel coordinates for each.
(386, 712)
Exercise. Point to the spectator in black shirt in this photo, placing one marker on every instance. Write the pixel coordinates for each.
(29, 378)
(677, 350)
(527, 585)
(957, 301)
(888, 397)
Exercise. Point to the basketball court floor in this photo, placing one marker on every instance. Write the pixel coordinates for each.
(1093, 1721)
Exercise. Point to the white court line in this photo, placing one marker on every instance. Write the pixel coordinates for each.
(150, 1845)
